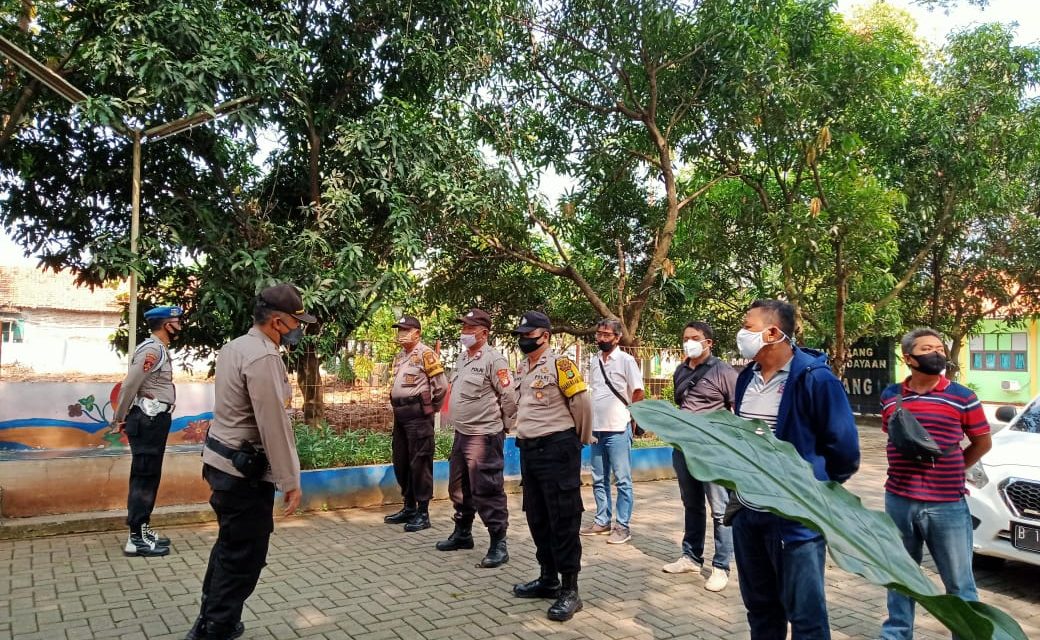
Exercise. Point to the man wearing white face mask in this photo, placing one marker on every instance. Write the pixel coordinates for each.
(481, 407)
(795, 393)
(702, 384)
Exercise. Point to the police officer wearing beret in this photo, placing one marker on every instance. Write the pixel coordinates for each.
(417, 394)
(481, 407)
(553, 420)
(250, 450)
(143, 411)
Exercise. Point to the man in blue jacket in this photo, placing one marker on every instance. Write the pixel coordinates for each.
(792, 390)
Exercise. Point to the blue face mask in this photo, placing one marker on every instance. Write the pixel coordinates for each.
(292, 338)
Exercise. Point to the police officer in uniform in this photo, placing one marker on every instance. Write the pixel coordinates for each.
(418, 391)
(250, 450)
(143, 410)
(482, 407)
(553, 420)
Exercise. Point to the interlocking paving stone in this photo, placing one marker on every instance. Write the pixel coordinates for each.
(346, 575)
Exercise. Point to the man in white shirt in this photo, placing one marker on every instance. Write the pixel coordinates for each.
(616, 382)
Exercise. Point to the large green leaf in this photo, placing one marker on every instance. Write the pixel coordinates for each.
(745, 456)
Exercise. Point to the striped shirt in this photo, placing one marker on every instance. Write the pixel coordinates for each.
(762, 398)
(948, 412)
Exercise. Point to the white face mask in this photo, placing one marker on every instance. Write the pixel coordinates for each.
(749, 343)
(468, 340)
(693, 348)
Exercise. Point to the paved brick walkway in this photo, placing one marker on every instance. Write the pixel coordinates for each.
(347, 575)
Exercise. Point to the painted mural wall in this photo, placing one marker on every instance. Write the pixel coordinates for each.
(73, 415)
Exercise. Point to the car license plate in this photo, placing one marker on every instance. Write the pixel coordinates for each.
(1025, 537)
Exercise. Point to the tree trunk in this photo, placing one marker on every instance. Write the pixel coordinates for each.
(841, 296)
(308, 376)
(954, 373)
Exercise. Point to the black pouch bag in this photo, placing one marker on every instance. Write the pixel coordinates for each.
(250, 461)
(912, 440)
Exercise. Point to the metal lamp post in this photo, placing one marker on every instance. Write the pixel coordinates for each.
(67, 90)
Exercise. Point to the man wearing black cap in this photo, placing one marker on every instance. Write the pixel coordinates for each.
(482, 407)
(143, 412)
(418, 391)
(250, 450)
(553, 420)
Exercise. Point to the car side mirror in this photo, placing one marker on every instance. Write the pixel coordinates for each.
(1006, 413)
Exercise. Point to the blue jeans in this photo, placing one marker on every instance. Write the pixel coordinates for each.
(946, 528)
(780, 582)
(612, 452)
(693, 493)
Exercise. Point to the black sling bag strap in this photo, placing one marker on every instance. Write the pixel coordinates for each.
(697, 376)
(637, 429)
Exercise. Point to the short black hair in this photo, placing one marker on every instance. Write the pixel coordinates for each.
(783, 313)
(154, 324)
(703, 327)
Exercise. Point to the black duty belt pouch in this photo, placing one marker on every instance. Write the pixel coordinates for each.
(248, 460)
(911, 439)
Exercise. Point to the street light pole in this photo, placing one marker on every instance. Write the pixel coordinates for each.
(67, 90)
(135, 230)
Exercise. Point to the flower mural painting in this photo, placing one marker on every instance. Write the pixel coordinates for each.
(30, 418)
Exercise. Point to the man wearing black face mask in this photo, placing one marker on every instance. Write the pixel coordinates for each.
(143, 411)
(926, 499)
(553, 420)
(250, 450)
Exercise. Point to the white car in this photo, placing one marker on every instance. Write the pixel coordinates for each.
(1004, 489)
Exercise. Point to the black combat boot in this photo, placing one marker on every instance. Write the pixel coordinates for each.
(569, 602)
(406, 513)
(420, 520)
(460, 538)
(497, 553)
(546, 585)
(199, 631)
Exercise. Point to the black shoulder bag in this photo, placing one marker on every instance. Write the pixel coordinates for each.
(911, 439)
(636, 429)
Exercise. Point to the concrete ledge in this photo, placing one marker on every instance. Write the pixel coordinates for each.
(92, 490)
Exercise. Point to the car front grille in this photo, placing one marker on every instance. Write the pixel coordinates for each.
(1023, 496)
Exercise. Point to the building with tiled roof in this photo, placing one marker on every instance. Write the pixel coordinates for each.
(51, 325)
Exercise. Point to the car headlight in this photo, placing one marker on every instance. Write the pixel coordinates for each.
(976, 475)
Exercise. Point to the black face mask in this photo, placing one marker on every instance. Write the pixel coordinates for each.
(173, 333)
(528, 345)
(605, 347)
(930, 364)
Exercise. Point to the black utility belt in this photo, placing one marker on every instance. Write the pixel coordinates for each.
(541, 441)
(404, 402)
(249, 461)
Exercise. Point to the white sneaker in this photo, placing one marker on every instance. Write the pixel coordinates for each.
(684, 564)
(718, 580)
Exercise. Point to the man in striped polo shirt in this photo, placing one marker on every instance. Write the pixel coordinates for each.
(926, 499)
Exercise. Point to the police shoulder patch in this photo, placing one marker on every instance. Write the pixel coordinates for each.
(150, 360)
(503, 378)
(432, 364)
(568, 378)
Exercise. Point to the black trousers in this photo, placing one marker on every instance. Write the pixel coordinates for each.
(412, 444)
(551, 471)
(475, 482)
(147, 437)
(244, 515)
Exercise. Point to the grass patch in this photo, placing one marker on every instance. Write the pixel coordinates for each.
(322, 448)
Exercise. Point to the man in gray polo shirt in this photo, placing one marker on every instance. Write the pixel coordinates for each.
(702, 384)
(793, 391)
